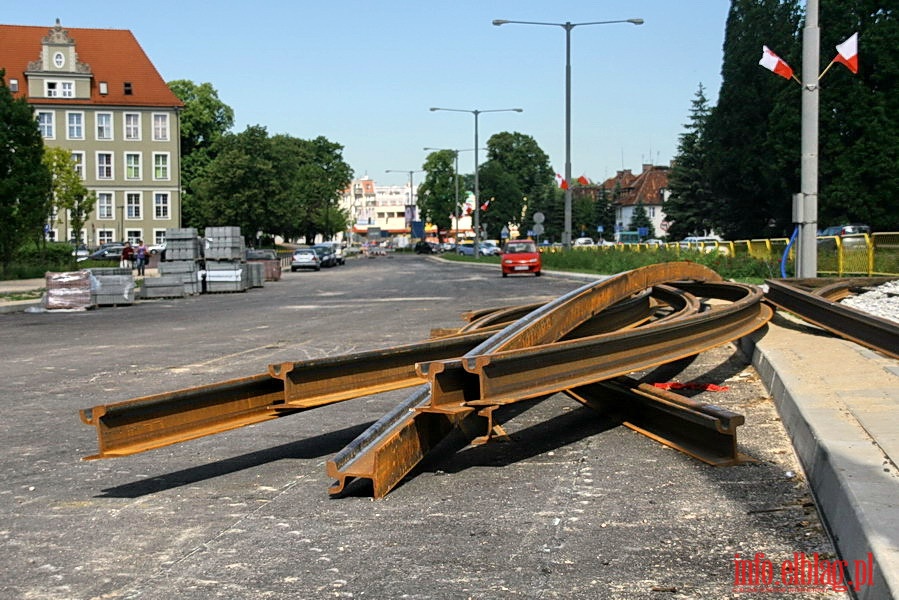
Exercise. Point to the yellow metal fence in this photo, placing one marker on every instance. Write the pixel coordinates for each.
(862, 254)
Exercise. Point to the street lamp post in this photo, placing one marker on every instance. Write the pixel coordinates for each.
(456, 208)
(567, 26)
(477, 189)
(410, 216)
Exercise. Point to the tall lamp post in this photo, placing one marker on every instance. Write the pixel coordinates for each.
(455, 180)
(410, 216)
(567, 26)
(477, 189)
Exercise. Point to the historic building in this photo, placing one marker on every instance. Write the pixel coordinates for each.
(96, 93)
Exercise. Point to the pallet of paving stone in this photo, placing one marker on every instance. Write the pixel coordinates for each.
(187, 271)
(68, 290)
(164, 286)
(113, 290)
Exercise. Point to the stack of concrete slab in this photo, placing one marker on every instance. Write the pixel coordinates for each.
(224, 243)
(226, 276)
(182, 244)
(165, 286)
(112, 286)
(187, 271)
(68, 290)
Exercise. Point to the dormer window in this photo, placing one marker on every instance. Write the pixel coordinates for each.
(104, 88)
(59, 60)
(14, 85)
(59, 89)
(128, 89)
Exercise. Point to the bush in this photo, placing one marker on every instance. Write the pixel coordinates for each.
(34, 260)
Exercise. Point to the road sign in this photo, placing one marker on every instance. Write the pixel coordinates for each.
(539, 217)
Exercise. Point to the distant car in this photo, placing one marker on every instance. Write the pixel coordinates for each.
(521, 256)
(327, 254)
(654, 242)
(423, 247)
(261, 255)
(108, 252)
(81, 252)
(841, 230)
(467, 249)
(490, 248)
(583, 241)
(157, 248)
(305, 258)
(337, 249)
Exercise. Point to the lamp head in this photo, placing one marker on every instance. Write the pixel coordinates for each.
(499, 22)
(635, 21)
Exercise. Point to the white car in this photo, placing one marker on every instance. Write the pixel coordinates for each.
(583, 241)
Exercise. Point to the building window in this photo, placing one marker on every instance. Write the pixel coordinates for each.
(13, 85)
(160, 127)
(104, 206)
(161, 166)
(132, 165)
(132, 235)
(45, 123)
(76, 125)
(59, 60)
(59, 89)
(132, 205)
(104, 165)
(104, 126)
(161, 205)
(78, 163)
(132, 126)
(105, 236)
(652, 212)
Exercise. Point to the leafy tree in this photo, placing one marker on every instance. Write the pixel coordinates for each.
(69, 191)
(321, 179)
(236, 188)
(437, 193)
(604, 214)
(752, 134)
(25, 182)
(859, 117)
(203, 121)
(502, 199)
(691, 204)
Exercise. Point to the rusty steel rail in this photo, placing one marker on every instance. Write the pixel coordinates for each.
(704, 431)
(389, 451)
(818, 306)
(159, 420)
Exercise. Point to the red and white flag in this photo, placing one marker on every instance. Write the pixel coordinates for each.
(847, 53)
(485, 206)
(583, 180)
(563, 183)
(774, 63)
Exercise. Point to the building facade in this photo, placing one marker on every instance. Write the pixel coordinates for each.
(95, 93)
(649, 189)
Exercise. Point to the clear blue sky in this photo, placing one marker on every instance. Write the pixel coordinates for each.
(364, 73)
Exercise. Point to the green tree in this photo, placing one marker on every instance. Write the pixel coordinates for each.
(752, 133)
(69, 192)
(25, 182)
(237, 187)
(437, 193)
(502, 199)
(203, 121)
(322, 177)
(689, 208)
(604, 215)
(859, 117)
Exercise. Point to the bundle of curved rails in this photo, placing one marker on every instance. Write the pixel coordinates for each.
(583, 344)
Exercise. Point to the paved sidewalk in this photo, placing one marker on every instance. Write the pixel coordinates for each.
(840, 404)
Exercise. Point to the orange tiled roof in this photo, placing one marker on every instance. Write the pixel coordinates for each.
(114, 56)
(646, 187)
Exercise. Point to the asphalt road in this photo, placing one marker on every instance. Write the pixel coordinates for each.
(574, 506)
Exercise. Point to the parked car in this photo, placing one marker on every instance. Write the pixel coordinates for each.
(326, 254)
(467, 249)
(305, 258)
(80, 252)
(521, 256)
(337, 249)
(107, 252)
(583, 241)
(423, 247)
(261, 255)
(490, 248)
(157, 249)
(841, 230)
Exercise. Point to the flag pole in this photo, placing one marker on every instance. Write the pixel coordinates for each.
(824, 72)
(805, 210)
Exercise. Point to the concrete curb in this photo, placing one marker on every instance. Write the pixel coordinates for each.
(853, 477)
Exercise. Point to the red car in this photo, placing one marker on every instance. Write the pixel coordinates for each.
(521, 256)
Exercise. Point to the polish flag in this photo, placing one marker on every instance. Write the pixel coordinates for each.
(774, 63)
(485, 206)
(847, 53)
(583, 180)
(562, 182)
